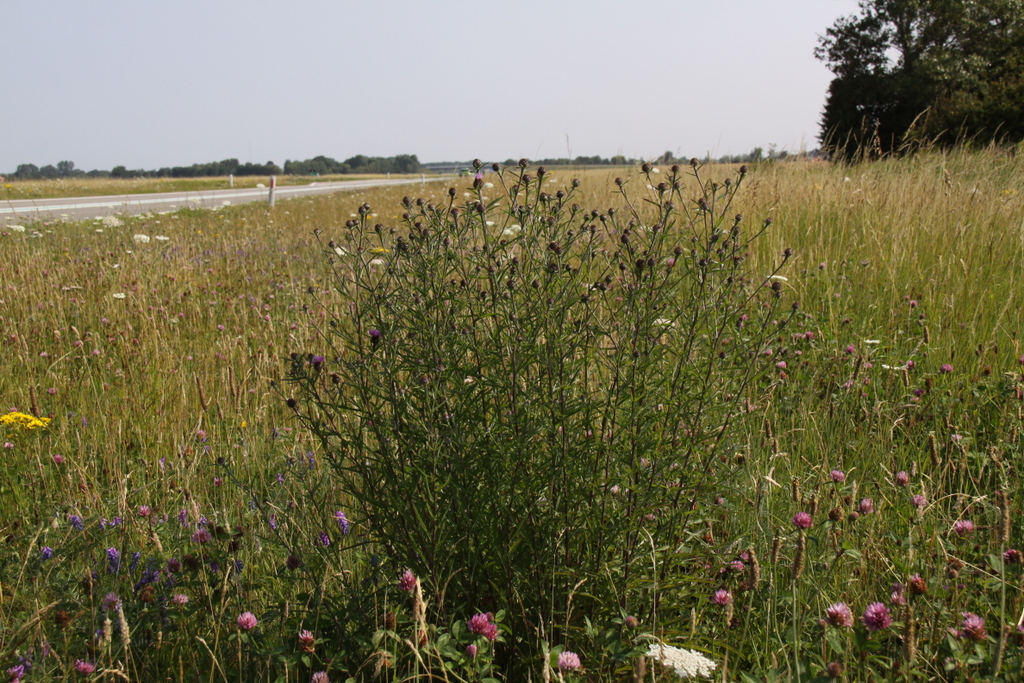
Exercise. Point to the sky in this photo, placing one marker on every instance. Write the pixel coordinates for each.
(157, 83)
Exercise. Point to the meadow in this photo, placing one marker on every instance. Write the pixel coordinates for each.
(526, 429)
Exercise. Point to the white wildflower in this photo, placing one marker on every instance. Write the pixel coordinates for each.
(16, 228)
(119, 295)
(111, 222)
(377, 262)
(872, 341)
(488, 185)
(780, 278)
(141, 239)
(340, 252)
(225, 203)
(663, 322)
(490, 224)
(512, 231)
(161, 238)
(260, 186)
(655, 170)
(685, 662)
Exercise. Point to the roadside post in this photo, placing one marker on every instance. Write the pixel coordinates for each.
(270, 195)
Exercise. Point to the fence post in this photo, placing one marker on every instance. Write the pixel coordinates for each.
(231, 180)
(273, 184)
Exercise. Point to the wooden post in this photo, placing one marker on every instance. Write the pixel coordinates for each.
(231, 180)
(273, 184)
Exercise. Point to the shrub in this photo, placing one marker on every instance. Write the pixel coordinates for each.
(526, 399)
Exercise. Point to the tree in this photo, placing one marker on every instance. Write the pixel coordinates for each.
(909, 70)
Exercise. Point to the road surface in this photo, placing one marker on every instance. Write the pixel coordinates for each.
(82, 208)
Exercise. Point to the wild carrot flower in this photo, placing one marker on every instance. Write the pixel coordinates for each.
(802, 520)
(407, 582)
(483, 624)
(568, 661)
(839, 614)
(686, 663)
(247, 621)
(877, 617)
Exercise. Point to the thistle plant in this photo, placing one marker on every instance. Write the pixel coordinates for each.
(524, 396)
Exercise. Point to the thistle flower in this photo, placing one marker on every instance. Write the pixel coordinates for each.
(839, 614)
(802, 520)
(568, 661)
(973, 627)
(722, 597)
(963, 527)
(483, 624)
(877, 617)
(408, 581)
(246, 621)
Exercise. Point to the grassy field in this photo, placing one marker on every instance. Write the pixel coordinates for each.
(175, 519)
(96, 187)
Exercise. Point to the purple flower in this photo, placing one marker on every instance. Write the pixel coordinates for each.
(323, 539)
(837, 476)
(144, 511)
(802, 520)
(16, 672)
(973, 627)
(247, 621)
(317, 362)
(320, 677)
(46, 552)
(897, 597)
(721, 597)
(877, 617)
(946, 368)
(407, 582)
(483, 624)
(471, 651)
(111, 601)
(179, 600)
(342, 522)
(866, 506)
(919, 501)
(84, 667)
(963, 527)
(375, 336)
(839, 614)
(202, 535)
(114, 560)
(76, 522)
(568, 661)
(1011, 556)
(902, 478)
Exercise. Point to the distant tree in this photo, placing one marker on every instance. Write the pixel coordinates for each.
(119, 172)
(49, 172)
(27, 172)
(65, 168)
(923, 69)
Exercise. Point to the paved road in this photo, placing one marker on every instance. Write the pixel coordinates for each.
(81, 208)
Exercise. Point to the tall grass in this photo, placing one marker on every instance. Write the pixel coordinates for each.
(167, 426)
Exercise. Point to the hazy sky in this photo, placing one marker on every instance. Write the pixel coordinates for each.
(149, 83)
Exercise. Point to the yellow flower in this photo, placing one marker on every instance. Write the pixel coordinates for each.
(23, 420)
(380, 250)
(244, 424)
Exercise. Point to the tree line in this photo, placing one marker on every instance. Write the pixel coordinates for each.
(321, 165)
